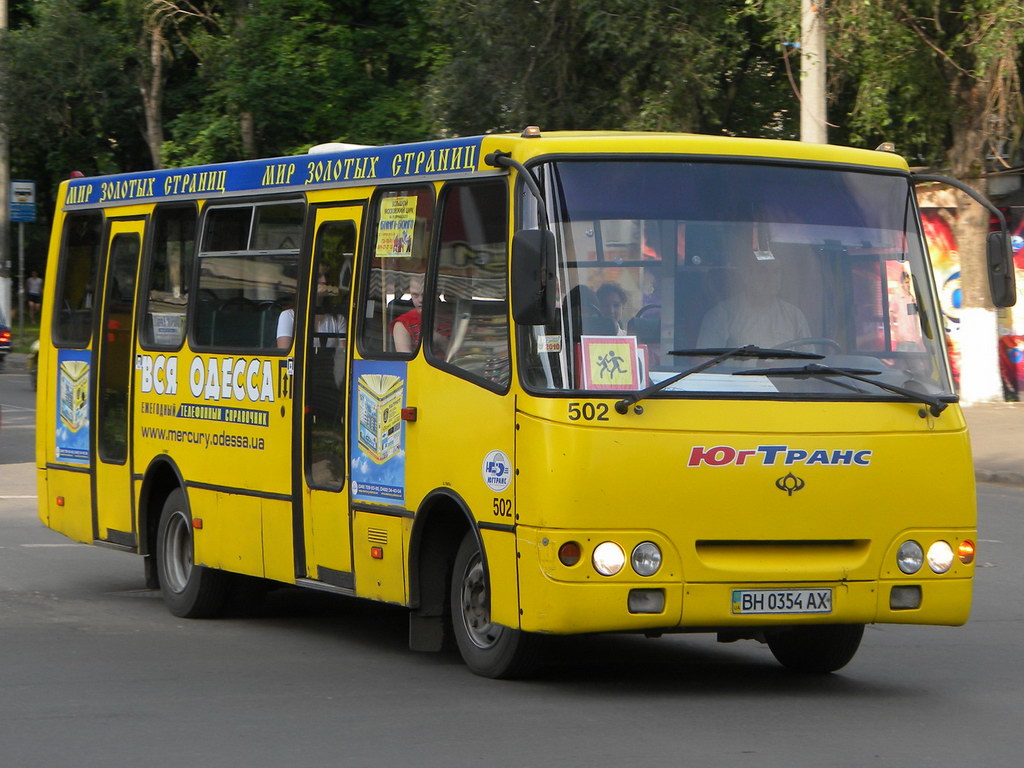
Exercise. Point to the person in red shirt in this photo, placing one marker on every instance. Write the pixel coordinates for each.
(405, 329)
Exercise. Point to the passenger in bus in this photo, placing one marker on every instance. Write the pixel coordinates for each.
(753, 312)
(286, 327)
(405, 329)
(611, 300)
(584, 314)
(330, 322)
(327, 320)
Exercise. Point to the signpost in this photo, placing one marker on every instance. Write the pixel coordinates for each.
(23, 209)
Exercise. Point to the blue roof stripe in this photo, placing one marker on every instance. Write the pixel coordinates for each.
(370, 164)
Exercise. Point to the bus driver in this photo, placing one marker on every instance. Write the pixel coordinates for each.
(753, 313)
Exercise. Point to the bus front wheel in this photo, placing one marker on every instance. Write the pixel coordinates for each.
(815, 649)
(189, 590)
(489, 650)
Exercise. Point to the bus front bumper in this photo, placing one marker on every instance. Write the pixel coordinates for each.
(558, 600)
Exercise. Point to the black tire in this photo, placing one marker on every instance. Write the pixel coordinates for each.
(816, 649)
(190, 591)
(489, 650)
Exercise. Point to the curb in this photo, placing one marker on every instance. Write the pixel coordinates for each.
(999, 477)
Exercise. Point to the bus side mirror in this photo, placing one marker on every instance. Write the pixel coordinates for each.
(533, 276)
(1000, 270)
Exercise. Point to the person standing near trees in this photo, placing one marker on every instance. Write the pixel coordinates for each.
(33, 295)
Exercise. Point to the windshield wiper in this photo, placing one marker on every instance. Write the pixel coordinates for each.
(720, 354)
(935, 405)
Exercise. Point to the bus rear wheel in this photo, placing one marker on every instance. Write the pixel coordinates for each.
(189, 590)
(818, 649)
(489, 649)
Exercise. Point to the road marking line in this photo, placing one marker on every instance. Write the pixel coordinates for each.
(8, 407)
(33, 496)
(49, 546)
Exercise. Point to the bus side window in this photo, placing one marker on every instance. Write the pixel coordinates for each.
(248, 275)
(402, 222)
(168, 276)
(74, 300)
(470, 319)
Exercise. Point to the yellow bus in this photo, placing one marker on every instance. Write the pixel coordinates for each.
(522, 385)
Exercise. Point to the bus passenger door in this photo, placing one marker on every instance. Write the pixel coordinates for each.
(113, 514)
(325, 552)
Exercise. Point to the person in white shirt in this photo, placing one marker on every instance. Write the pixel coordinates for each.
(753, 313)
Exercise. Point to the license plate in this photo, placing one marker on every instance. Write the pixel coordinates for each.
(750, 601)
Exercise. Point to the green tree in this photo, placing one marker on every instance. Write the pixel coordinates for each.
(602, 64)
(277, 76)
(65, 95)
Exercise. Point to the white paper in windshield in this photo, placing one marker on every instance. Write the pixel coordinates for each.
(715, 382)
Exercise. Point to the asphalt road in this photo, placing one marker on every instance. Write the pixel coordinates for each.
(95, 672)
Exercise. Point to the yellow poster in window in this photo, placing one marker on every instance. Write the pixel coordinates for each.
(396, 228)
(610, 362)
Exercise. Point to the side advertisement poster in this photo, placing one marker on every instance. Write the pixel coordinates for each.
(73, 429)
(378, 432)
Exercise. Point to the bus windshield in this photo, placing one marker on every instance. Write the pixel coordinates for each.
(662, 265)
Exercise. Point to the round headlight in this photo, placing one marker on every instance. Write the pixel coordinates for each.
(910, 557)
(940, 557)
(608, 558)
(646, 558)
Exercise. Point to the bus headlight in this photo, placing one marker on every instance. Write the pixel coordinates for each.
(608, 558)
(940, 557)
(646, 558)
(910, 557)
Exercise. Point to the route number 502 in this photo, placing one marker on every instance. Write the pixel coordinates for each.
(588, 411)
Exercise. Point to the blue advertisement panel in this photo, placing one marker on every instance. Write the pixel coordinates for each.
(73, 405)
(378, 432)
(363, 165)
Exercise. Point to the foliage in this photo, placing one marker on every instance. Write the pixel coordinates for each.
(905, 70)
(307, 71)
(64, 94)
(602, 64)
(232, 78)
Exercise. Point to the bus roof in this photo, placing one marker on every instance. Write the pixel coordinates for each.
(355, 165)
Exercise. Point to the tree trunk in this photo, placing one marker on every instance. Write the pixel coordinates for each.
(247, 126)
(152, 87)
(980, 380)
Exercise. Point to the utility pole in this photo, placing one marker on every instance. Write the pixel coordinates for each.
(812, 72)
(5, 197)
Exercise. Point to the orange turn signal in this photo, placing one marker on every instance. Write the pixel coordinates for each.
(966, 551)
(569, 553)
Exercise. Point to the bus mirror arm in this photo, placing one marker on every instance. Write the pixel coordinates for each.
(999, 255)
(533, 255)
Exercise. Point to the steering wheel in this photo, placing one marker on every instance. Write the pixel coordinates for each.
(811, 341)
(647, 309)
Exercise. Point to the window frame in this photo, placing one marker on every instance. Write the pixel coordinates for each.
(366, 268)
(149, 247)
(433, 275)
(99, 264)
(300, 249)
